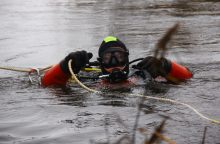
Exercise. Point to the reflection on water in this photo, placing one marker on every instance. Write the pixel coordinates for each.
(40, 33)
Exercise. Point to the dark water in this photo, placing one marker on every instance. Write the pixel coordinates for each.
(41, 33)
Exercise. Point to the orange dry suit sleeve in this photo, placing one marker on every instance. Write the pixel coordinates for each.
(59, 74)
(163, 67)
(55, 76)
(178, 72)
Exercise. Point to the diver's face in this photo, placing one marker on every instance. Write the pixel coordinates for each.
(115, 63)
(114, 58)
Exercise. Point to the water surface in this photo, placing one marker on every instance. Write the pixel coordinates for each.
(41, 33)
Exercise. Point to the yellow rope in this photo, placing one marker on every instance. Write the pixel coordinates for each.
(143, 96)
(22, 69)
(16, 69)
(177, 102)
(76, 79)
(94, 91)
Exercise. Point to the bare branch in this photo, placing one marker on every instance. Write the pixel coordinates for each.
(162, 43)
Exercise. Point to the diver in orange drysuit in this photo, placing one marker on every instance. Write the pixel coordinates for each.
(114, 64)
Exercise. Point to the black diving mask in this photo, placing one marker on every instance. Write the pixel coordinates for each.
(114, 59)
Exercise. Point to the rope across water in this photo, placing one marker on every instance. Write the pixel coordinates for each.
(23, 69)
(95, 91)
(143, 96)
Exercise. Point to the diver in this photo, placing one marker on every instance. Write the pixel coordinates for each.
(114, 63)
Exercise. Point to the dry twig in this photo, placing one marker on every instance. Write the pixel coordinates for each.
(162, 43)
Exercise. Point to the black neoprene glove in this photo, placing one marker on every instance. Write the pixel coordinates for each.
(155, 67)
(79, 60)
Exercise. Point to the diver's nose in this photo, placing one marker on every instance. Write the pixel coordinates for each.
(114, 61)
